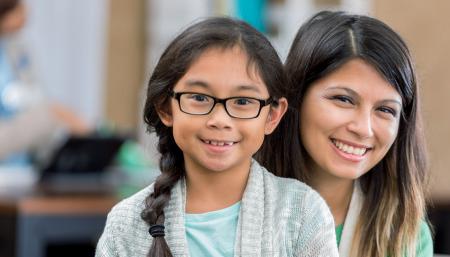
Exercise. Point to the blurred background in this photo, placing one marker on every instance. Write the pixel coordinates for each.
(94, 57)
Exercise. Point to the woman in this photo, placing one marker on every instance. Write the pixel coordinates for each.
(354, 99)
(28, 121)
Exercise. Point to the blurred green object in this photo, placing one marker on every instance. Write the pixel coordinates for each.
(137, 170)
(131, 156)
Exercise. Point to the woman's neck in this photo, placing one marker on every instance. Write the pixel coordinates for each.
(337, 192)
(209, 191)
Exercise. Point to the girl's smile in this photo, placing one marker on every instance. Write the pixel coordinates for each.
(219, 146)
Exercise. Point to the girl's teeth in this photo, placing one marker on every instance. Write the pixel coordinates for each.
(219, 143)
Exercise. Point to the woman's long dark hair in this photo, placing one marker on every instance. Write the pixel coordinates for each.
(394, 189)
(223, 33)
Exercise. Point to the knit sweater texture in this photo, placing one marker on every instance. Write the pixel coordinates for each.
(278, 217)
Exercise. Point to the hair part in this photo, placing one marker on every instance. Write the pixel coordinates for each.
(186, 48)
(394, 189)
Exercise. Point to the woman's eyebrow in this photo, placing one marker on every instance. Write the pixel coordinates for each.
(385, 101)
(346, 89)
(355, 94)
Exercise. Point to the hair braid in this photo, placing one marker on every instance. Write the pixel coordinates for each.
(171, 165)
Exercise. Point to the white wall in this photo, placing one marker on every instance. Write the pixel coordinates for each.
(67, 40)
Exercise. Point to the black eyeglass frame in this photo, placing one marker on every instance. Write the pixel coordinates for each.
(262, 103)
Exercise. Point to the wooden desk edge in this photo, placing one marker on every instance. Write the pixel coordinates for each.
(66, 205)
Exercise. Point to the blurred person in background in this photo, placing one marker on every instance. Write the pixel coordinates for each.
(28, 121)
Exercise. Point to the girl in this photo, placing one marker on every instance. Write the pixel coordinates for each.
(360, 142)
(213, 96)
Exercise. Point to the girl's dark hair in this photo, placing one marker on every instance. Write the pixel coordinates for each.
(222, 33)
(6, 6)
(394, 189)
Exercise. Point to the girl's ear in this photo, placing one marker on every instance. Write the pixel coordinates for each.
(275, 115)
(165, 114)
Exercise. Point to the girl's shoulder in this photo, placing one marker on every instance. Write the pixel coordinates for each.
(130, 208)
(301, 211)
(301, 200)
(290, 189)
(125, 232)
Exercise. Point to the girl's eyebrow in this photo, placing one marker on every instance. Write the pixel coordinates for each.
(356, 95)
(248, 88)
(239, 88)
(197, 83)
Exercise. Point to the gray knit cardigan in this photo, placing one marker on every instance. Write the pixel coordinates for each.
(278, 217)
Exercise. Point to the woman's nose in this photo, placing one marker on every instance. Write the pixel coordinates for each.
(361, 124)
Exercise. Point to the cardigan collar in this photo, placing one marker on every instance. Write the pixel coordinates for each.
(250, 222)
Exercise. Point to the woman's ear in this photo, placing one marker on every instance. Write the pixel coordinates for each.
(165, 114)
(275, 115)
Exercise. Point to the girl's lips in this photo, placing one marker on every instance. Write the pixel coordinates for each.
(219, 142)
(218, 146)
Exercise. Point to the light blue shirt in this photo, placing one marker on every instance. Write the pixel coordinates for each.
(7, 76)
(212, 234)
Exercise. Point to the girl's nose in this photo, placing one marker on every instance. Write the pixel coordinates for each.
(218, 117)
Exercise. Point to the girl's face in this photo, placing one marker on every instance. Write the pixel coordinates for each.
(349, 120)
(217, 142)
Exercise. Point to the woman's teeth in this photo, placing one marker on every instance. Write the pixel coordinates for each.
(349, 149)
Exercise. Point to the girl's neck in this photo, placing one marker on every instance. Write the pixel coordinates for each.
(337, 192)
(209, 191)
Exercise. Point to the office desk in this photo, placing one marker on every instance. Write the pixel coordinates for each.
(34, 224)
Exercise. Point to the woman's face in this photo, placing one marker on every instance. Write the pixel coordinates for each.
(349, 120)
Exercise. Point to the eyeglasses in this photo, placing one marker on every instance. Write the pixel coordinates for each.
(237, 107)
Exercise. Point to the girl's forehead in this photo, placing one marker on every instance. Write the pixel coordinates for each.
(223, 69)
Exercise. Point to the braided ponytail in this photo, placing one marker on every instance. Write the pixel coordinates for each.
(171, 165)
